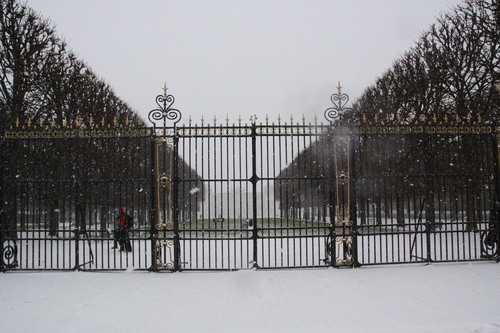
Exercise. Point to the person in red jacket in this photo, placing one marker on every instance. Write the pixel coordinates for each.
(124, 228)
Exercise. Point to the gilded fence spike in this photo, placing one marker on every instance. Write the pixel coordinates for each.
(29, 123)
(376, 118)
(40, 122)
(291, 119)
(267, 118)
(479, 119)
(434, 118)
(215, 120)
(279, 118)
(457, 117)
(115, 121)
(17, 122)
(387, 119)
(303, 118)
(190, 120)
(53, 122)
(469, 118)
(239, 119)
(445, 118)
(227, 119)
(91, 121)
(78, 122)
(399, 118)
(202, 120)
(127, 121)
(364, 118)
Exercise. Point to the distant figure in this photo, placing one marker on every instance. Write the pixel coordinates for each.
(125, 224)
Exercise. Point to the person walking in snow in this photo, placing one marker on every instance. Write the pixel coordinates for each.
(124, 227)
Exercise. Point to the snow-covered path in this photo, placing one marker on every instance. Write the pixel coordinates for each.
(407, 298)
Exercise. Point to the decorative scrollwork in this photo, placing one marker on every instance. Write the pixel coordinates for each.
(164, 112)
(489, 242)
(339, 101)
(344, 251)
(9, 254)
(166, 245)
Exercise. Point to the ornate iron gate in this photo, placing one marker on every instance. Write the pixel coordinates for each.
(245, 183)
(260, 195)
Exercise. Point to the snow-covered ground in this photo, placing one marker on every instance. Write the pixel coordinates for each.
(463, 297)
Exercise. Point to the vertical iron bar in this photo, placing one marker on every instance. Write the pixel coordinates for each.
(216, 192)
(254, 181)
(154, 208)
(210, 204)
(175, 201)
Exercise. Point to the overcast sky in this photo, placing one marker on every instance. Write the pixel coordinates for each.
(229, 58)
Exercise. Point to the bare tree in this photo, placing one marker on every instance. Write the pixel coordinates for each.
(25, 40)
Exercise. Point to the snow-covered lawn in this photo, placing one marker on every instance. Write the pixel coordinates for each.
(462, 297)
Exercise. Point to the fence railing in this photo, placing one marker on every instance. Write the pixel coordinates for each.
(237, 196)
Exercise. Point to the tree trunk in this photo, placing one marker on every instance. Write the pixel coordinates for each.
(378, 211)
(400, 210)
(470, 210)
(362, 210)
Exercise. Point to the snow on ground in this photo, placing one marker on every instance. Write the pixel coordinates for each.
(461, 297)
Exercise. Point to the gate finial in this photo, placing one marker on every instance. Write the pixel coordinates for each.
(339, 101)
(164, 111)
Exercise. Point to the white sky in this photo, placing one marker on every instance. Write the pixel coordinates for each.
(240, 57)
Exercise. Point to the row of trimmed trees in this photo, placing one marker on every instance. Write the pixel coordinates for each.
(41, 79)
(453, 69)
(450, 77)
(44, 84)
(44, 182)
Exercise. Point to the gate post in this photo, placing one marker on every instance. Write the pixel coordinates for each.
(353, 207)
(342, 244)
(429, 197)
(153, 209)
(330, 244)
(496, 203)
(2, 202)
(78, 213)
(165, 238)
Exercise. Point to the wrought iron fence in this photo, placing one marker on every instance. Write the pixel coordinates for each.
(236, 196)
